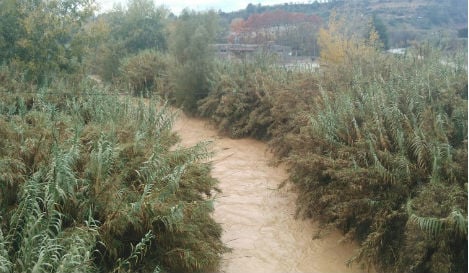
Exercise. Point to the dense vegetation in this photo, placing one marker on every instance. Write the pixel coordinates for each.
(386, 162)
(43, 38)
(91, 179)
(375, 143)
(90, 182)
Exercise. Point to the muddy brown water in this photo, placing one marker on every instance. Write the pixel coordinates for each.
(258, 218)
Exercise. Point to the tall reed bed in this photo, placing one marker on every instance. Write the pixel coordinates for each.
(255, 98)
(385, 159)
(92, 182)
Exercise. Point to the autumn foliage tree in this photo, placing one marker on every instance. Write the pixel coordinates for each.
(337, 45)
(287, 28)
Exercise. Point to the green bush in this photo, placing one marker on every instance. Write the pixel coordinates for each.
(145, 73)
(193, 57)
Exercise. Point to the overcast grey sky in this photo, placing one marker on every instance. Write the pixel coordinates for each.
(177, 5)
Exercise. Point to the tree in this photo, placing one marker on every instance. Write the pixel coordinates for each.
(337, 45)
(143, 26)
(190, 46)
(381, 30)
(237, 27)
(127, 31)
(10, 28)
(295, 29)
(250, 9)
(42, 37)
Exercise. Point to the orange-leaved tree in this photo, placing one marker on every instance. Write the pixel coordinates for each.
(338, 46)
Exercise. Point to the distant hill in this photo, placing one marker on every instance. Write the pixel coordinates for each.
(403, 21)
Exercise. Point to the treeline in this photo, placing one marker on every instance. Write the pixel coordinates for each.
(404, 21)
(322, 9)
(41, 38)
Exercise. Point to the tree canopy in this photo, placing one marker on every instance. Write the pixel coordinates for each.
(43, 37)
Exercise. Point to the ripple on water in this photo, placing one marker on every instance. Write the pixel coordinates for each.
(258, 220)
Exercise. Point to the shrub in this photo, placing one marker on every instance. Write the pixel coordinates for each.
(260, 99)
(145, 73)
(238, 101)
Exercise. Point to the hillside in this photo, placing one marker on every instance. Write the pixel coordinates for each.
(404, 21)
